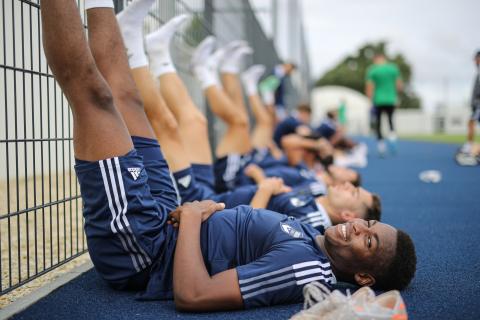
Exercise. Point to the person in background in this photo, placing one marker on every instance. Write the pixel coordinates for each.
(272, 89)
(342, 112)
(383, 82)
(298, 122)
(475, 105)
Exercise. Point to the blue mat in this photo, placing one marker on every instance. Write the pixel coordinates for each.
(442, 218)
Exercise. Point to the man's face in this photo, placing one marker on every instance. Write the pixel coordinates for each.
(341, 174)
(360, 246)
(304, 116)
(288, 67)
(345, 197)
(477, 60)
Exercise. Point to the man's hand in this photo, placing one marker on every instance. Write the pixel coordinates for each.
(324, 147)
(203, 209)
(274, 186)
(255, 172)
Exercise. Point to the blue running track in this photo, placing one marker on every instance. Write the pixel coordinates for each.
(443, 219)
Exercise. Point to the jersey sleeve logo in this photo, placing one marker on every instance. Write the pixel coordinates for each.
(291, 231)
(135, 172)
(185, 181)
(307, 174)
(296, 202)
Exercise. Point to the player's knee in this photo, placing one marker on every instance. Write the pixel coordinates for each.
(200, 119)
(195, 119)
(101, 97)
(72, 75)
(130, 98)
(170, 123)
(240, 120)
(266, 122)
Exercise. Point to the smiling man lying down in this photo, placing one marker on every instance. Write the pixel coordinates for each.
(236, 258)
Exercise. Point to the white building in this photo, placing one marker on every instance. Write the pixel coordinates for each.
(451, 120)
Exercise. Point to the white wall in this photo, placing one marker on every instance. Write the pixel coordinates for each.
(456, 120)
(409, 122)
(327, 98)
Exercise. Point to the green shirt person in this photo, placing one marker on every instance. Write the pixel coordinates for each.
(342, 112)
(384, 78)
(383, 82)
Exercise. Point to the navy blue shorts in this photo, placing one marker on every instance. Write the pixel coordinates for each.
(126, 201)
(475, 113)
(196, 183)
(228, 170)
(264, 159)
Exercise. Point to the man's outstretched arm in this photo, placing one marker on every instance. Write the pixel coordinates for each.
(194, 288)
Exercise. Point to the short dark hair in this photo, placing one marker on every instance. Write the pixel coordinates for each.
(477, 54)
(326, 161)
(357, 182)
(375, 211)
(305, 107)
(293, 64)
(401, 269)
(331, 114)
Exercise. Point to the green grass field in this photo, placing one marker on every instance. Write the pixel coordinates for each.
(439, 138)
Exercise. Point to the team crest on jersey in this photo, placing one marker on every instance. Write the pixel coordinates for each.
(307, 174)
(135, 172)
(296, 202)
(185, 181)
(291, 231)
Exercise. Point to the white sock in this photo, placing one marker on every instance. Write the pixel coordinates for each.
(201, 63)
(91, 4)
(250, 79)
(230, 48)
(392, 136)
(131, 26)
(467, 147)
(158, 46)
(233, 62)
(235, 44)
(214, 60)
(206, 77)
(268, 97)
(202, 51)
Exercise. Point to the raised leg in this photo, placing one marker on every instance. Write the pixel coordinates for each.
(162, 120)
(233, 89)
(110, 55)
(192, 125)
(99, 131)
(230, 67)
(262, 134)
(237, 137)
(204, 66)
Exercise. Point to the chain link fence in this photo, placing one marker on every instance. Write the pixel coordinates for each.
(41, 224)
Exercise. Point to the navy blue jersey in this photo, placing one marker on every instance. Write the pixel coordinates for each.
(300, 203)
(292, 176)
(264, 158)
(327, 128)
(275, 255)
(288, 126)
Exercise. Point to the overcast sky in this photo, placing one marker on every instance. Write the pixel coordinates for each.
(438, 38)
